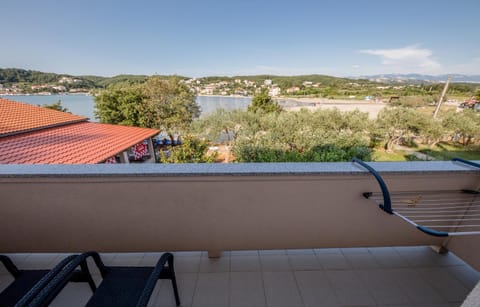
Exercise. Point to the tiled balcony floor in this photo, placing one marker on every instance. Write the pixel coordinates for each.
(391, 276)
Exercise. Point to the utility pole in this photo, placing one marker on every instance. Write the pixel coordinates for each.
(441, 97)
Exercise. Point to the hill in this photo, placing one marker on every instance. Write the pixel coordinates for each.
(419, 78)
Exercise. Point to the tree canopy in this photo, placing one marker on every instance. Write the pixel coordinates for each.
(157, 103)
(263, 102)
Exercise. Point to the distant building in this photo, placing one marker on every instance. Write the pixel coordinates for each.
(291, 90)
(208, 90)
(274, 91)
(267, 82)
(69, 80)
(59, 88)
(38, 87)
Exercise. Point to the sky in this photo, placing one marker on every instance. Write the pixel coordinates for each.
(241, 37)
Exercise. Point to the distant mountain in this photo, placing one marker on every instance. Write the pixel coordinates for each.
(419, 78)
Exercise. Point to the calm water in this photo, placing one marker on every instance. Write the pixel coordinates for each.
(83, 104)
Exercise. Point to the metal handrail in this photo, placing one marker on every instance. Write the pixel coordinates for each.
(456, 159)
(387, 202)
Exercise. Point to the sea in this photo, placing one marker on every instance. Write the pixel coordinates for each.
(84, 104)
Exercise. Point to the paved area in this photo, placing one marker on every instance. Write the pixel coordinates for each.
(387, 276)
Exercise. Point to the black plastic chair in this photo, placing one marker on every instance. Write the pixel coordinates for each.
(29, 281)
(121, 286)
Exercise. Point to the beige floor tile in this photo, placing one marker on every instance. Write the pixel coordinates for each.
(416, 288)
(445, 283)
(127, 259)
(354, 298)
(315, 289)
(388, 257)
(304, 262)
(244, 253)
(272, 252)
(245, 263)
(281, 289)
(212, 290)
(390, 276)
(107, 258)
(354, 250)
(16, 258)
(213, 265)
(5, 280)
(41, 261)
(361, 261)
(246, 289)
(333, 261)
(327, 251)
(465, 274)
(275, 263)
(345, 279)
(188, 254)
(186, 283)
(349, 288)
(151, 259)
(383, 287)
(300, 252)
(187, 264)
(73, 295)
(421, 256)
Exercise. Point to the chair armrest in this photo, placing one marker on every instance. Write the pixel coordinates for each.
(11, 268)
(46, 295)
(160, 271)
(42, 283)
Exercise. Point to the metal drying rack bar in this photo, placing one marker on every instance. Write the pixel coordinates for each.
(437, 213)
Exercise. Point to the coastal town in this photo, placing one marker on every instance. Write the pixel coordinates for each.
(236, 87)
(23, 82)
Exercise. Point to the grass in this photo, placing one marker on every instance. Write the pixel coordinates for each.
(394, 156)
(444, 109)
(442, 151)
(447, 151)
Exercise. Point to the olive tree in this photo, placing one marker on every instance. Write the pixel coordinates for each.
(158, 103)
(465, 126)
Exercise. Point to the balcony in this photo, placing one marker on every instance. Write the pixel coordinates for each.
(285, 234)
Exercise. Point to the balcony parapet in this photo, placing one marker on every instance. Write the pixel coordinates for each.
(215, 207)
(232, 169)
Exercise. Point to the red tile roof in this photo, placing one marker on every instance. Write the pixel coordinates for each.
(79, 143)
(18, 117)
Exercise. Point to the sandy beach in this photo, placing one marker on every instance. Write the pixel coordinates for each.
(295, 104)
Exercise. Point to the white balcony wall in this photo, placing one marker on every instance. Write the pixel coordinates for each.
(149, 208)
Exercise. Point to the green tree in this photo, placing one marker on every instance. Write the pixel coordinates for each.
(262, 101)
(395, 124)
(169, 105)
(56, 106)
(121, 105)
(432, 130)
(192, 150)
(222, 127)
(465, 126)
(324, 135)
(157, 103)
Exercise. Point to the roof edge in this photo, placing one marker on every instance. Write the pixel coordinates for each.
(126, 148)
(2, 135)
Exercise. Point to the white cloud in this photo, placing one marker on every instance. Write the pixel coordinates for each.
(472, 67)
(407, 59)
